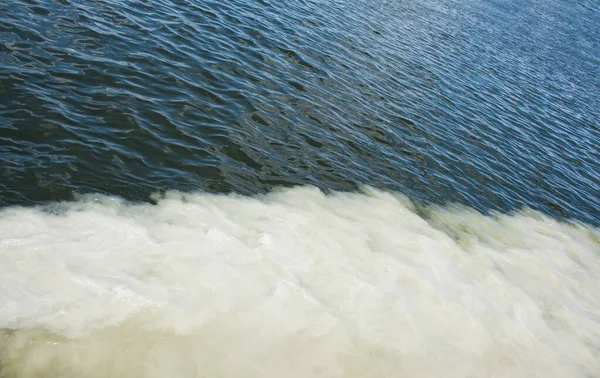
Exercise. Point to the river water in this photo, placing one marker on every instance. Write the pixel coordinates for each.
(307, 188)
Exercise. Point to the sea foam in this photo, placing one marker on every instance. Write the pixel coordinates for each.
(295, 283)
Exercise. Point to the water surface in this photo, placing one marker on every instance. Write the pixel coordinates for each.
(299, 188)
(490, 104)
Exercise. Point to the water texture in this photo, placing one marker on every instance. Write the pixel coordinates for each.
(299, 189)
(295, 284)
(490, 104)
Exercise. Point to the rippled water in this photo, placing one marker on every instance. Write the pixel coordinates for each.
(441, 169)
(491, 104)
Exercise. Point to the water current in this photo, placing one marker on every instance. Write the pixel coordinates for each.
(303, 188)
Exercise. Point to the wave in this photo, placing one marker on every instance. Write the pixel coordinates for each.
(295, 283)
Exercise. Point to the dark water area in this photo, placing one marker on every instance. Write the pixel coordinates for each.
(492, 104)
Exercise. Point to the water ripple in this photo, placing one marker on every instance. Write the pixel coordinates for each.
(485, 103)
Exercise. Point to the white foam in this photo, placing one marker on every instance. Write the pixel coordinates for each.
(295, 284)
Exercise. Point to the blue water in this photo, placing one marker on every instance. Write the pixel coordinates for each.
(492, 104)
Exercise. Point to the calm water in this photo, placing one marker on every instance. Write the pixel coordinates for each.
(492, 104)
(299, 189)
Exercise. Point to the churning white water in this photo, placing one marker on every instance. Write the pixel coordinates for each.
(295, 284)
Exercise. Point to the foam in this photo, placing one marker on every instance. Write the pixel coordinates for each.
(295, 284)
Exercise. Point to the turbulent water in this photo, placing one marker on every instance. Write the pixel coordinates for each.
(303, 188)
(295, 284)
